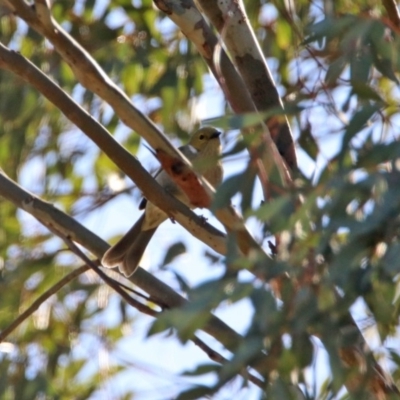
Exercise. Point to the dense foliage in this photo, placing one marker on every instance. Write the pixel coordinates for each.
(329, 243)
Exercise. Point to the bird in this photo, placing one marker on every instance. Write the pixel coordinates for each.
(204, 151)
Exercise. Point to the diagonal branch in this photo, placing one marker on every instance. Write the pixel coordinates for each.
(19, 65)
(150, 311)
(193, 25)
(109, 281)
(217, 357)
(230, 19)
(91, 76)
(65, 226)
(89, 264)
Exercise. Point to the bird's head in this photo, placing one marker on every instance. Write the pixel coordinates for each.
(205, 136)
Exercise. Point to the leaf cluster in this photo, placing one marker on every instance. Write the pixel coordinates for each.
(332, 239)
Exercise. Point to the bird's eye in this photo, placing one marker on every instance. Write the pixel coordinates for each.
(201, 137)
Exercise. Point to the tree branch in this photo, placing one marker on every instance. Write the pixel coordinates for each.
(109, 281)
(91, 76)
(67, 227)
(217, 357)
(392, 12)
(212, 354)
(232, 23)
(196, 225)
(193, 25)
(40, 300)
(89, 264)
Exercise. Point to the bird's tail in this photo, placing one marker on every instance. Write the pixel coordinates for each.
(128, 251)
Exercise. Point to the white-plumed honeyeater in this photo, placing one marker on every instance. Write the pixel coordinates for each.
(203, 150)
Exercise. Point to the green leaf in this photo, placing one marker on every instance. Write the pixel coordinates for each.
(284, 34)
(202, 369)
(226, 191)
(173, 251)
(303, 350)
(335, 69)
(250, 119)
(276, 213)
(185, 320)
(378, 154)
(308, 143)
(358, 122)
(385, 67)
(382, 50)
(239, 121)
(279, 389)
(246, 352)
(132, 77)
(365, 92)
(360, 67)
(319, 30)
(183, 283)
(212, 257)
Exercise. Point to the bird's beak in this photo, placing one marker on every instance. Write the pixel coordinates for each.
(215, 134)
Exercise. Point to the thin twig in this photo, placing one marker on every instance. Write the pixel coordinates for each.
(110, 282)
(139, 294)
(40, 300)
(212, 354)
(218, 358)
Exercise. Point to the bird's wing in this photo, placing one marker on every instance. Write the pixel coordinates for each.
(164, 180)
